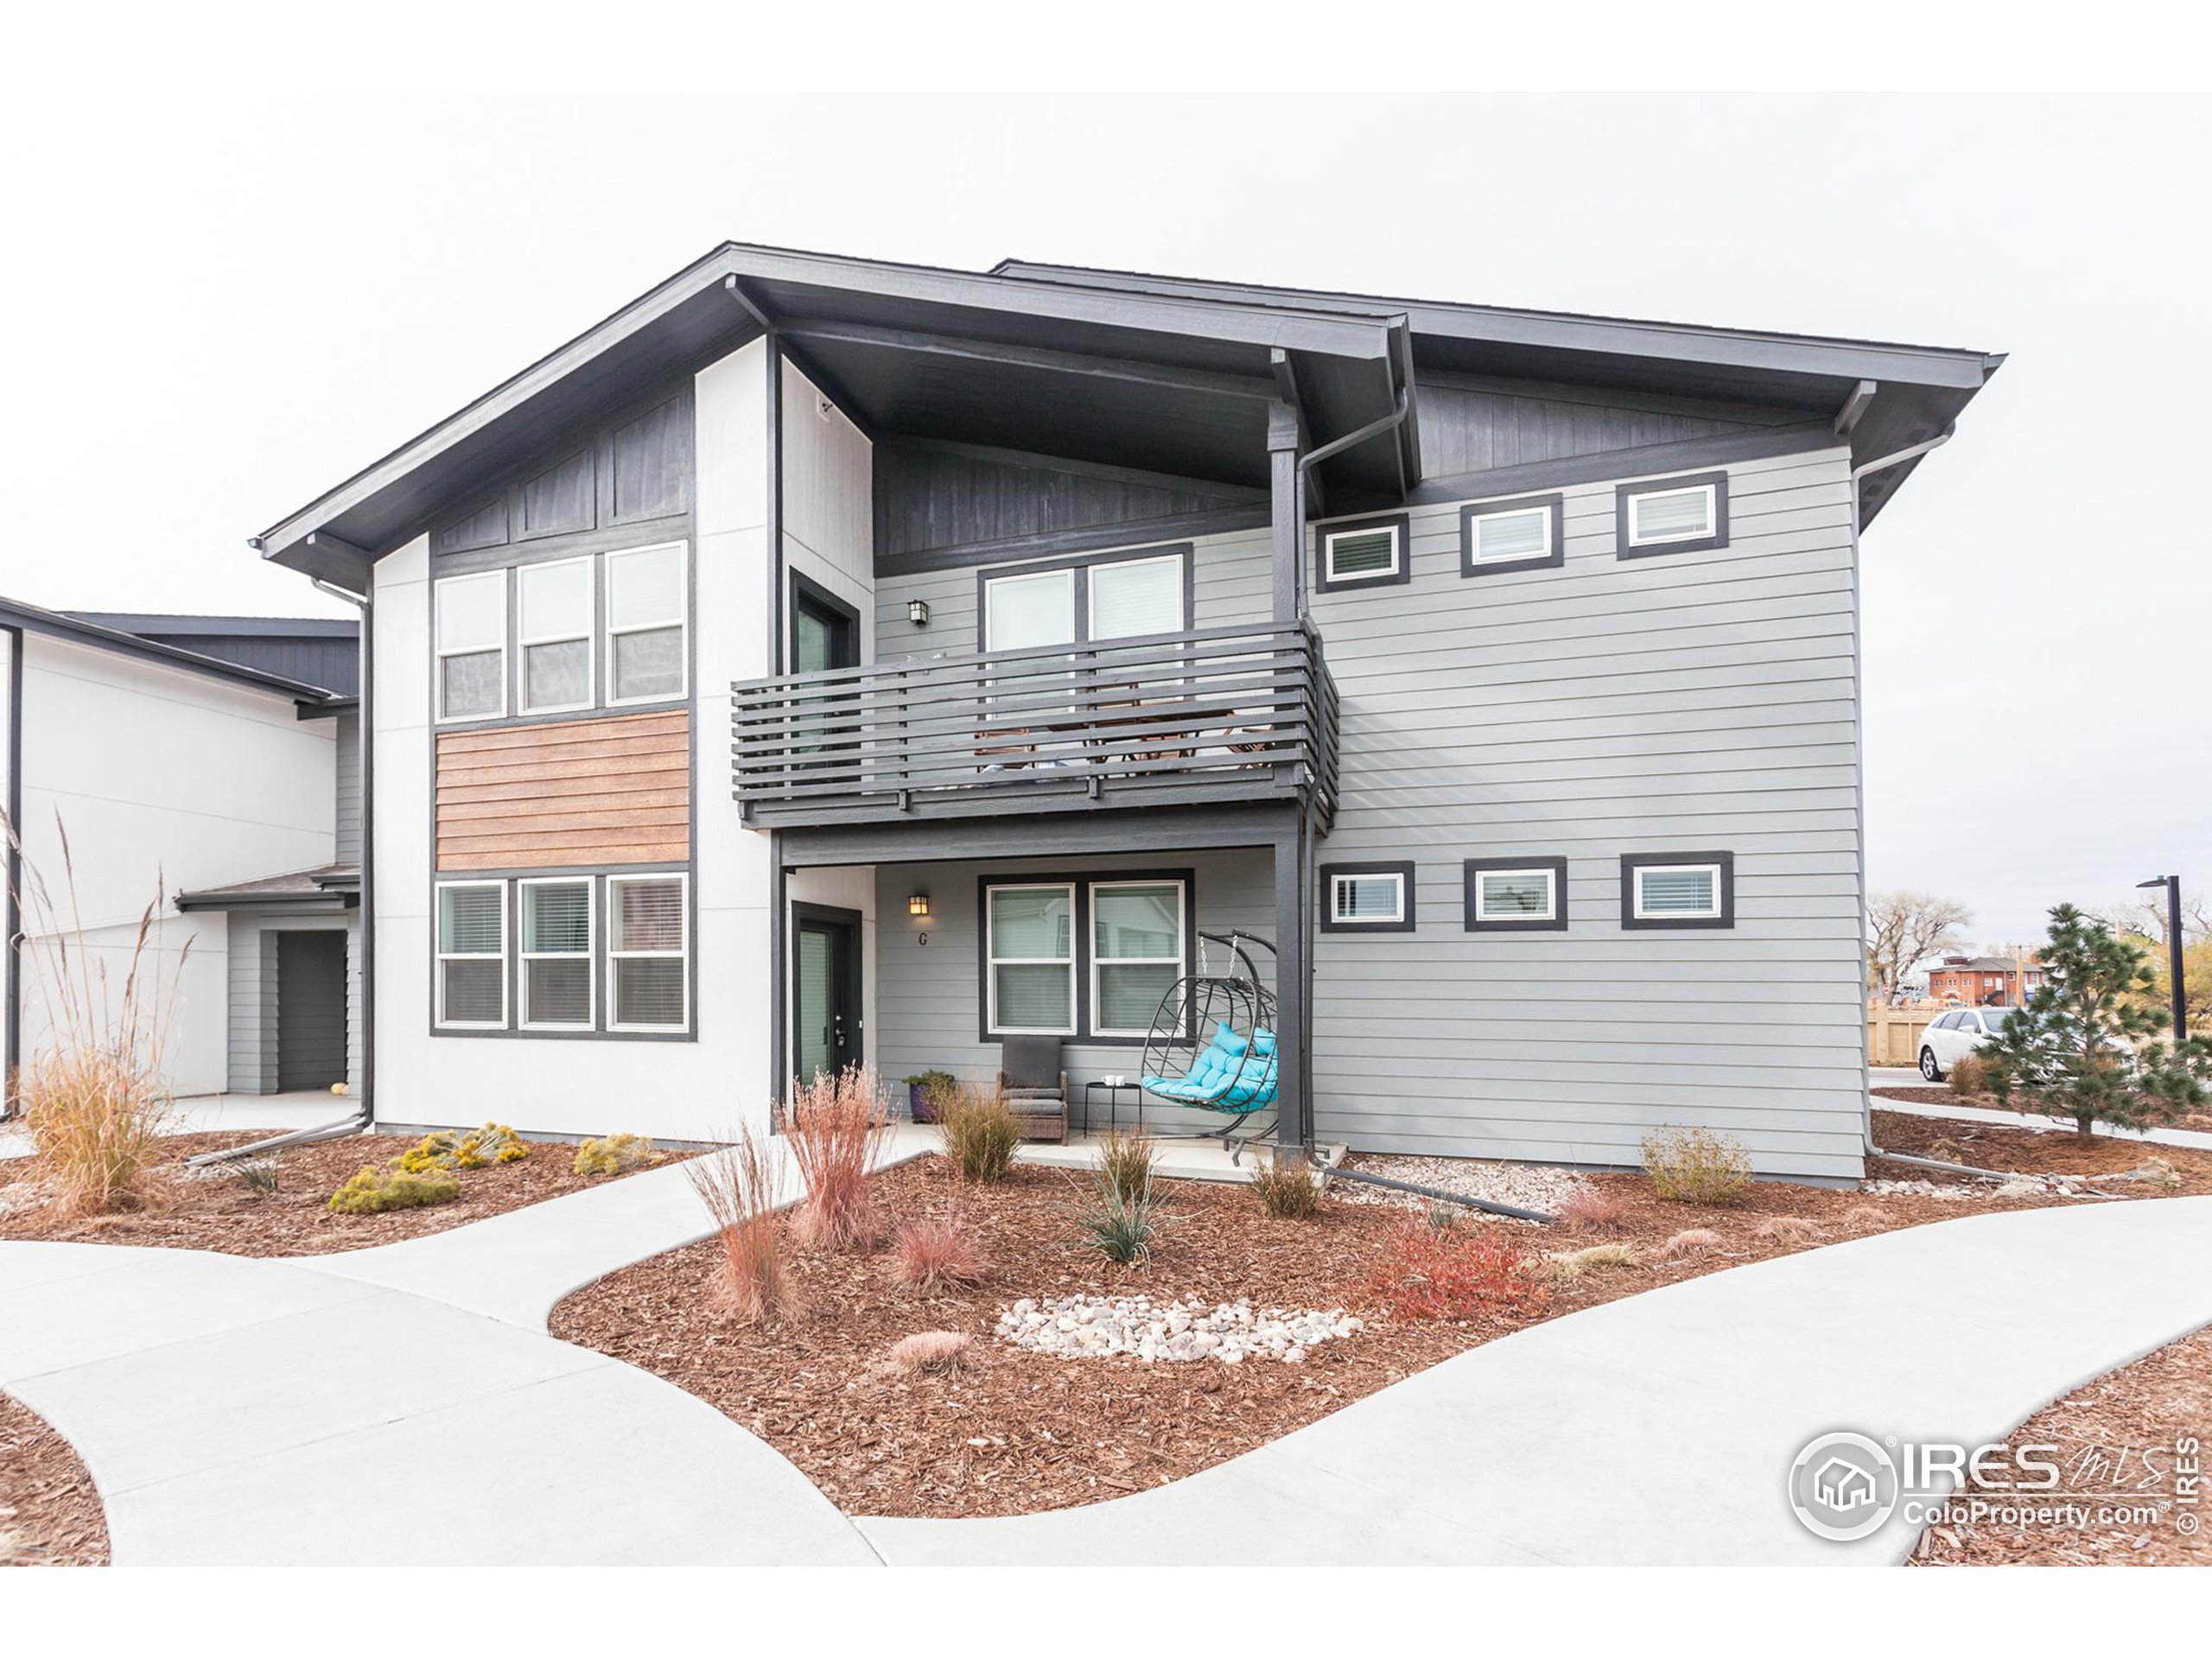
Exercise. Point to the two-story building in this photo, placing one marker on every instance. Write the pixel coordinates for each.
(824, 662)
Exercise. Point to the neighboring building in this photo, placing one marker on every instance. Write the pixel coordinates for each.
(1983, 981)
(1499, 667)
(185, 762)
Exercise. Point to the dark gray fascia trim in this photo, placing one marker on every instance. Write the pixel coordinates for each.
(1611, 465)
(1472, 566)
(1081, 963)
(1474, 922)
(329, 710)
(245, 627)
(1325, 911)
(1054, 543)
(1083, 566)
(331, 898)
(1631, 862)
(1624, 494)
(34, 619)
(1071, 834)
(1402, 523)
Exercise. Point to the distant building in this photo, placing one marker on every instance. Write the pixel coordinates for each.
(1982, 981)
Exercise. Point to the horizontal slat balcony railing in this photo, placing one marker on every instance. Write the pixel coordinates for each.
(1212, 715)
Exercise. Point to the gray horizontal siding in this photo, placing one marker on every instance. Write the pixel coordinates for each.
(252, 996)
(349, 789)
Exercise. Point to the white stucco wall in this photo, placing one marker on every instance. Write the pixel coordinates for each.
(163, 780)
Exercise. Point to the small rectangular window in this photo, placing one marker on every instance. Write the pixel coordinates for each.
(1369, 553)
(1036, 609)
(1029, 957)
(1526, 534)
(1136, 955)
(1516, 895)
(1367, 898)
(1678, 890)
(553, 632)
(1133, 597)
(472, 989)
(1672, 515)
(647, 951)
(645, 610)
(557, 953)
(471, 648)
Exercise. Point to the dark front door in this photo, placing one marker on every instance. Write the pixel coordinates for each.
(311, 1009)
(826, 949)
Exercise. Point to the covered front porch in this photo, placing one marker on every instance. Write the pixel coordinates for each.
(922, 948)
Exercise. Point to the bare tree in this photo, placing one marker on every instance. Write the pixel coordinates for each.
(1902, 926)
(2142, 914)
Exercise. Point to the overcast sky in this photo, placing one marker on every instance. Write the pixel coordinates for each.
(218, 311)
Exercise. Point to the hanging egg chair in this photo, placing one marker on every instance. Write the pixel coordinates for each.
(1212, 1043)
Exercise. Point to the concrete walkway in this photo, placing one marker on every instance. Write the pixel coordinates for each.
(405, 1405)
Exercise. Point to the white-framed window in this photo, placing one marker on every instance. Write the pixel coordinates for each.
(1678, 893)
(1529, 895)
(1656, 517)
(1367, 896)
(470, 627)
(1130, 598)
(1036, 608)
(1517, 533)
(648, 952)
(1029, 957)
(557, 964)
(1137, 953)
(553, 629)
(646, 645)
(1362, 553)
(472, 941)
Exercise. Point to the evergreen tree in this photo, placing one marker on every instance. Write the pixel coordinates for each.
(2071, 1051)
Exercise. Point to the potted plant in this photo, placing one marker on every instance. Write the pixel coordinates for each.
(925, 1091)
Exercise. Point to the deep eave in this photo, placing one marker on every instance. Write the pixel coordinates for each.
(74, 628)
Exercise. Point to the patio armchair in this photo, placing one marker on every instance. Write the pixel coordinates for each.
(1035, 1087)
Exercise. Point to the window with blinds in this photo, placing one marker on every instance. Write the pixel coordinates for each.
(1525, 533)
(557, 953)
(647, 952)
(1516, 895)
(472, 937)
(1029, 957)
(1367, 898)
(1677, 890)
(1372, 553)
(1664, 516)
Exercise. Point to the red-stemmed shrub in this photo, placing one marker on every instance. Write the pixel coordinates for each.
(737, 1182)
(835, 1125)
(1453, 1273)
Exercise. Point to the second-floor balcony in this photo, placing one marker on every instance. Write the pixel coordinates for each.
(1209, 716)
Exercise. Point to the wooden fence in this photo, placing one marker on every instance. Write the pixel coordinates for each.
(1893, 1034)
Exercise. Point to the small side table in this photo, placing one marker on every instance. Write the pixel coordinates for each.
(1114, 1093)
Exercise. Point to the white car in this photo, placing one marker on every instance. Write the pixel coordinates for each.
(1960, 1031)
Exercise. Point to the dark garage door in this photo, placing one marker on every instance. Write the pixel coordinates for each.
(310, 1010)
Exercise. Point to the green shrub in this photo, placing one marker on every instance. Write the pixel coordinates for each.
(935, 1089)
(1694, 1166)
(981, 1133)
(614, 1154)
(1119, 1226)
(495, 1143)
(1286, 1190)
(375, 1190)
(1127, 1161)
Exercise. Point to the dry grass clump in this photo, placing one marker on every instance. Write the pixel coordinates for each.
(938, 1251)
(981, 1131)
(2157, 1172)
(1863, 1215)
(836, 1127)
(1573, 1264)
(95, 1095)
(1285, 1188)
(1696, 1166)
(1790, 1229)
(1970, 1075)
(1591, 1210)
(1691, 1241)
(1128, 1161)
(737, 1182)
(929, 1352)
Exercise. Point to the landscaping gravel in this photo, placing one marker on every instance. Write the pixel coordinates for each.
(1526, 1186)
(1104, 1327)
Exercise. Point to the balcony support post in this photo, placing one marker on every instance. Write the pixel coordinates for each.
(1286, 499)
(1294, 1085)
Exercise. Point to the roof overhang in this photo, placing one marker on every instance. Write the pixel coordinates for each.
(78, 631)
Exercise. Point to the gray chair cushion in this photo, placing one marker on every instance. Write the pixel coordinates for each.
(1032, 1063)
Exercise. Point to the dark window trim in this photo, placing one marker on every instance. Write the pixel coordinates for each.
(1623, 493)
(1082, 1036)
(1402, 523)
(1327, 912)
(1555, 923)
(1081, 567)
(813, 593)
(1631, 862)
(1472, 566)
(805, 910)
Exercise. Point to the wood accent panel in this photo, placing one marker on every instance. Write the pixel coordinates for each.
(614, 790)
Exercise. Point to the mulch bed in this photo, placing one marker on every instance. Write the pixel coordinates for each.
(2032, 1150)
(50, 1512)
(200, 1211)
(2145, 1407)
(1014, 1433)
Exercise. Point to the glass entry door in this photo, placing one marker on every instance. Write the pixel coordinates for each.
(826, 1035)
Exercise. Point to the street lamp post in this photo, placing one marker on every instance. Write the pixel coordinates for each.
(2173, 885)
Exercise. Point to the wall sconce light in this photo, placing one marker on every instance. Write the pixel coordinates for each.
(917, 612)
(918, 904)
